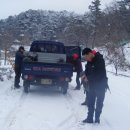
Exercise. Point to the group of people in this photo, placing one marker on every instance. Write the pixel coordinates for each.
(93, 78)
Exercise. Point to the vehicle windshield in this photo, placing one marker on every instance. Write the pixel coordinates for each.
(47, 48)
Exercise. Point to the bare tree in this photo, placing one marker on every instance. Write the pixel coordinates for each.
(116, 57)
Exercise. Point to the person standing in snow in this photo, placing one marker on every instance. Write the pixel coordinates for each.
(85, 83)
(97, 79)
(78, 68)
(18, 65)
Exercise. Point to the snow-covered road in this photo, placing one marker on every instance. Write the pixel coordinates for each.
(44, 109)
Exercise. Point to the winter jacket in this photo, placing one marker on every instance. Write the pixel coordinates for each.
(18, 59)
(96, 72)
(78, 65)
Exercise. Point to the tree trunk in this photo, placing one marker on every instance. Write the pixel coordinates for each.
(116, 70)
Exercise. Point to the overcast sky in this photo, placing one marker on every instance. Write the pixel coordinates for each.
(14, 7)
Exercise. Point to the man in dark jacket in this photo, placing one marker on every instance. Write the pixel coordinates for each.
(97, 79)
(85, 82)
(18, 66)
(78, 69)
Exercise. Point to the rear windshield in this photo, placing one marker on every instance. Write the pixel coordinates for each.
(48, 48)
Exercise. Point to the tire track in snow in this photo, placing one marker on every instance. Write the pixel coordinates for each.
(73, 118)
(11, 117)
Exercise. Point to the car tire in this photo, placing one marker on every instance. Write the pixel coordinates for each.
(26, 86)
(64, 88)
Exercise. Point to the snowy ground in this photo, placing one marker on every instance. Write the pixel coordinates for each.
(44, 109)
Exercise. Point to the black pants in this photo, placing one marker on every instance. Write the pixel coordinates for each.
(17, 76)
(77, 79)
(96, 97)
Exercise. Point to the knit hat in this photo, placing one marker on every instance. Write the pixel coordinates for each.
(94, 52)
(21, 47)
(75, 56)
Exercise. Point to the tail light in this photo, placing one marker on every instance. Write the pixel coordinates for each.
(28, 77)
(62, 78)
(67, 79)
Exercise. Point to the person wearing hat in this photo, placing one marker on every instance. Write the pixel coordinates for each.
(18, 65)
(78, 69)
(96, 76)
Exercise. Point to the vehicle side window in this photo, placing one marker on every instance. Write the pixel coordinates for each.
(48, 48)
(62, 50)
(33, 48)
(43, 49)
(38, 48)
(54, 49)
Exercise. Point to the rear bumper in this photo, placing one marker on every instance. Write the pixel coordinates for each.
(54, 81)
(43, 85)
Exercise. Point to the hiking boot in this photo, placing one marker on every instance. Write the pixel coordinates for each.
(17, 86)
(77, 88)
(84, 103)
(97, 121)
(90, 121)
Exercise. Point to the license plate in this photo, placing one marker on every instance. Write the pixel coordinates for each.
(46, 81)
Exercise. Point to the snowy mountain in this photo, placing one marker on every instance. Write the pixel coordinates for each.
(94, 28)
(35, 25)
